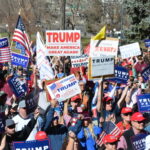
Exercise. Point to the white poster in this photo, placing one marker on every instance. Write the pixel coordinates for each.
(104, 47)
(130, 50)
(63, 42)
(64, 88)
(78, 61)
(102, 66)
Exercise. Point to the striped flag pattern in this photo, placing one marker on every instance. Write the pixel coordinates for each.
(5, 55)
(110, 128)
(21, 36)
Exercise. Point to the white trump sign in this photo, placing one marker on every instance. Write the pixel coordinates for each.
(130, 50)
(64, 88)
(102, 66)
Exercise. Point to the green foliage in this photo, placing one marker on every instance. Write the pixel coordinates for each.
(139, 13)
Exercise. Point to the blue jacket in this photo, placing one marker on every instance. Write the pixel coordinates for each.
(57, 133)
(88, 143)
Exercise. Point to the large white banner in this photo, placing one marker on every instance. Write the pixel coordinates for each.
(78, 61)
(64, 88)
(63, 42)
(46, 72)
(104, 47)
(130, 50)
(102, 66)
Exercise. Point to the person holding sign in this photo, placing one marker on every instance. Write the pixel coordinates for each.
(12, 135)
(137, 127)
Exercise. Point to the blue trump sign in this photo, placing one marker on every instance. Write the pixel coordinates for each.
(16, 86)
(121, 75)
(32, 145)
(147, 43)
(4, 42)
(146, 73)
(19, 60)
(138, 141)
(143, 102)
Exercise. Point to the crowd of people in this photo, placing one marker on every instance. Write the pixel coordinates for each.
(77, 123)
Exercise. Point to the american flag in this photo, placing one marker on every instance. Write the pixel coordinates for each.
(109, 128)
(20, 36)
(5, 55)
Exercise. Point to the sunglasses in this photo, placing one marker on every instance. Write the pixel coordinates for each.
(139, 122)
(127, 114)
(11, 127)
(109, 102)
(114, 143)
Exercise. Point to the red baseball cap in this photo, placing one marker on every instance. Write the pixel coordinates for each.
(41, 135)
(107, 98)
(77, 97)
(110, 139)
(126, 110)
(137, 116)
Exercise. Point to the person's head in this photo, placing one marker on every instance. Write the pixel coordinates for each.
(78, 75)
(105, 84)
(60, 69)
(140, 60)
(75, 101)
(41, 135)
(20, 71)
(55, 121)
(10, 127)
(110, 142)
(137, 121)
(22, 109)
(108, 103)
(82, 85)
(126, 113)
(86, 121)
(3, 98)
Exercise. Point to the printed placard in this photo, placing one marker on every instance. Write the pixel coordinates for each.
(121, 75)
(102, 66)
(147, 43)
(16, 86)
(130, 50)
(19, 60)
(104, 47)
(143, 102)
(63, 42)
(78, 61)
(138, 141)
(34, 145)
(64, 88)
(146, 73)
(32, 100)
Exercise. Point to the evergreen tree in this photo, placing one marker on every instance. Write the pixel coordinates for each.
(139, 15)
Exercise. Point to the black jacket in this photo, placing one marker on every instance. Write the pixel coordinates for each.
(20, 135)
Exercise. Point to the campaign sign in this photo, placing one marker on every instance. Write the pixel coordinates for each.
(102, 66)
(32, 145)
(16, 86)
(64, 88)
(63, 43)
(130, 50)
(104, 47)
(121, 75)
(4, 42)
(19, 60)
(138, 141)
(146, 73)
(147, 43)
(78, 61)
(32, 100)
(2, 122)
(143, 102)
